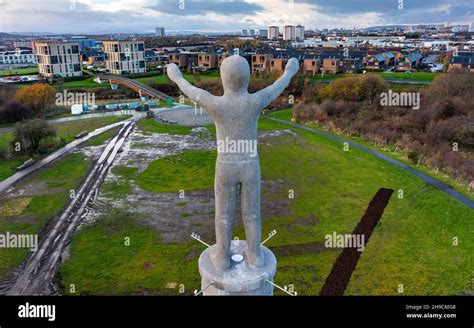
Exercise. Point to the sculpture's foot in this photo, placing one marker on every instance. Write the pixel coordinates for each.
(220, 260)
(255, 259)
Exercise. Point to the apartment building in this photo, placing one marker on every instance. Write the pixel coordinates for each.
(125, 57)
(278, 65)
(221, 58)
(289, 33)
(332, 66)
(299, 33)
(207, 61)
(311, 66)
(19, 57)
(58, 59)
(261, 63)
(273, 32)
(179, 59)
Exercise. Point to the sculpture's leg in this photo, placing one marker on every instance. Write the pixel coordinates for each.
(225, 197)
(251, 213)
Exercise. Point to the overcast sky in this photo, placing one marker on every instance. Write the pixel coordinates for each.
(106, 16)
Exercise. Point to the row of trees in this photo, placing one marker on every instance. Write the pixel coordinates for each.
(440, 133)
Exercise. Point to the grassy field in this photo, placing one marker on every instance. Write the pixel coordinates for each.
(67, 130)
(19, 71)
(48, 193)
(64, 130)
(412, 245)
(82, 84)
(389, 150)
(192, 167)
(102, 138)
(164, 79)
(416, 76)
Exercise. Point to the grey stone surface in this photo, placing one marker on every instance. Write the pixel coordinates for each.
(235, 115)
(188, 116)
(240, 278)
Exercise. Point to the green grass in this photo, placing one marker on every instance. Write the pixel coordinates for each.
(81, 84)
(68, 130)
(119, 188)
(416, 76)
(187, 171)
(19, 71)
(65, 130)
(164, 79)
(146, 266)
(8, 167)
(152, 126)
(58, 179)
(102, 138)
(5, 139)
(389, 150)
(412, 244)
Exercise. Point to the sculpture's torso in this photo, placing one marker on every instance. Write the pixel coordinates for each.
(236, 118)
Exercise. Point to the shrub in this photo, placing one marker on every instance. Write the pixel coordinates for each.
(30, 133)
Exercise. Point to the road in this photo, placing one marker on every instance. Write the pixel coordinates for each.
(435, 183)
(36, 276)
(81, 117)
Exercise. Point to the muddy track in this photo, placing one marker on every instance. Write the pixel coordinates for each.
(36, 276)
(346, 262)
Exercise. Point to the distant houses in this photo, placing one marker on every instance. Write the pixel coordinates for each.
(463, 61)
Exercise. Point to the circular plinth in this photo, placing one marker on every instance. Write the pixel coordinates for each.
(241, 278)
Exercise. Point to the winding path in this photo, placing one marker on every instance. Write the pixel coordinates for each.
(432, 181)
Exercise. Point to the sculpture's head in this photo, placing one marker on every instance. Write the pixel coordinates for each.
(235, 74)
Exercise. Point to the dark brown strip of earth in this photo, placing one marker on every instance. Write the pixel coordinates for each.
(346, 262)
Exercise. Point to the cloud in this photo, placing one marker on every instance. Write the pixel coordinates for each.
(193, 7)
(128, 16)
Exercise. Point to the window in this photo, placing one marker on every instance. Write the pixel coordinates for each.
(77, 67)
(75, 49)
(54, 59)
(142, 64)
(141, 47)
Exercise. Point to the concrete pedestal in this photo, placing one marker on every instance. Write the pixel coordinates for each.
(241, 278)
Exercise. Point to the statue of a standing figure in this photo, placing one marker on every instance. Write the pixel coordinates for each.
(236, 116)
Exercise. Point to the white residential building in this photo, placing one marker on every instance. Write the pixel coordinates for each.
(289, 33)
(20, 57)
(124, 57)
(58, 59)
(160, 31)
(273, 32)
(299, 33)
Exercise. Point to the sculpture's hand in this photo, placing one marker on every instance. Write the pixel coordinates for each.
(173, 72)
(292, 67)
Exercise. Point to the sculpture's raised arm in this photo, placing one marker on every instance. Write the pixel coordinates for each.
(201, 97)
(271, 92)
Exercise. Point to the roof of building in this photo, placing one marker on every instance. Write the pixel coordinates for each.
(21, 52)
(380, 57)
(414, 56)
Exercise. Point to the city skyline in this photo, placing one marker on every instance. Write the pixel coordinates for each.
(142, 16)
